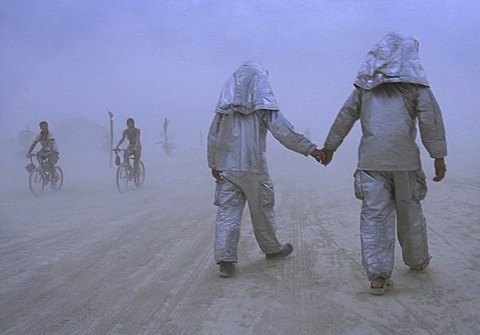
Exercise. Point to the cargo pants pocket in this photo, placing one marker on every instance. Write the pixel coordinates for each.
(418, 183)
(357, 185)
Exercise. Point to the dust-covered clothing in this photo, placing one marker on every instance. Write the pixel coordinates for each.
(391, 197)
(246, 111)
(231, 194)
(388, 115)
(237, 141)
(391, 95)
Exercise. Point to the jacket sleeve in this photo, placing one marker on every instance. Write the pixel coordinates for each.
(430, 121)
(212, 140)
(346, 118)
(284, 132)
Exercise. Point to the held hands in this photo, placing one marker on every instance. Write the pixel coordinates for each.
(318, 155)
(440, 169)
(327, 156)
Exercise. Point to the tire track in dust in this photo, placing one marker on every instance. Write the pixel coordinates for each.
(164, 294)
(72, 304)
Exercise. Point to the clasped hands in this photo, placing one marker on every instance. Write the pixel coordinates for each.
(323, 156)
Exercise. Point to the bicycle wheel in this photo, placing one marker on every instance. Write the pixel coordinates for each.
(36, 182)
(140, 175)
(59, 177)
(122, 177)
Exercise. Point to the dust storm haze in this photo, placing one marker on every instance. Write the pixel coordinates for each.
(71, 62)
(151, 60)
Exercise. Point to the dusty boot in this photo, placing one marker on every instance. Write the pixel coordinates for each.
(284, 252)
(379, 285)
(226, 269)
(422, 266)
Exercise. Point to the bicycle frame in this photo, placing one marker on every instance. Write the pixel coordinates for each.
(41, 175)
(127, 172)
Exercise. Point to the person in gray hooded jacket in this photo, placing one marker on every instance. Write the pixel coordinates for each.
(247, 109)
(391, 95)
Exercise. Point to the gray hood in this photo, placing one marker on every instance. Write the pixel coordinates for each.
(246, 91)
(394, 59)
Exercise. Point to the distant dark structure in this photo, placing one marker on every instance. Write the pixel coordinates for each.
(166, 140)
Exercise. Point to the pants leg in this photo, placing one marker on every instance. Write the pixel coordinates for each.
(50, 157)
(377, 222)
(410, 188)
(261, 200)
(258, 191)
(230, 200)
(52, 161)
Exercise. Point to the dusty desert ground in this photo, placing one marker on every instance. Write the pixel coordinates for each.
(89, 260)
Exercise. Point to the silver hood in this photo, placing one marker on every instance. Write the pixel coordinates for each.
(394, 59)
(246, 91)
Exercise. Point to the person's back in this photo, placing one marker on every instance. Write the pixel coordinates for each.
(391, 94)
(388, 115)
(247, 109)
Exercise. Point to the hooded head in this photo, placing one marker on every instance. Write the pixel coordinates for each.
(394, 59)
(246, 91)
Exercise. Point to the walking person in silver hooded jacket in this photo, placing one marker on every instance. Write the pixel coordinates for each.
(391, 95)
(247, 109)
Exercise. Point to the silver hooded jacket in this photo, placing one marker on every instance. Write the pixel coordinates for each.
(391, 94)
(246, 110)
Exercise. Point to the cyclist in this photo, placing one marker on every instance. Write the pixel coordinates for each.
(49, 151)
(134, 145)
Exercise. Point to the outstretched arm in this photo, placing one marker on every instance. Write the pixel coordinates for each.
(34, 144)
(346, 118)
(284, 132)
(122, 139)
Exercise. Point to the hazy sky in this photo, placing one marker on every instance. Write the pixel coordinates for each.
(154, 59)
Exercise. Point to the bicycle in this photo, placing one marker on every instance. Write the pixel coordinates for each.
(41, 176)
(125, 171)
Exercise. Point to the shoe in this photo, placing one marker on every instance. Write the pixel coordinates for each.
(379, 286)
(284, 252)
(421, 266)
(226, 269)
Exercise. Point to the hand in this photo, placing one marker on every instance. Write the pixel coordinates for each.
(217, 174)
(327, 156)
(440, 169)
(318, 155)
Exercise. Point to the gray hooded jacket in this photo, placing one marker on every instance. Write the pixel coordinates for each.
(391, 94)
(246, 110)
